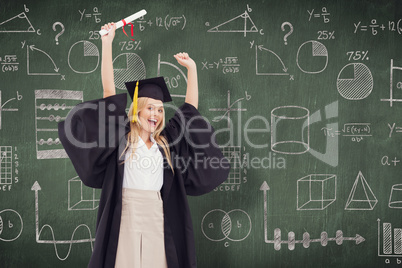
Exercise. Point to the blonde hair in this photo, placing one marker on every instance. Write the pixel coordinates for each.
(133, 135)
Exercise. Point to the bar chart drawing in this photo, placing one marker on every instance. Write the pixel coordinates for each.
(391, 243)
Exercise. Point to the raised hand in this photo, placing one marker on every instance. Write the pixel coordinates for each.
(110, 35)
(184, 60)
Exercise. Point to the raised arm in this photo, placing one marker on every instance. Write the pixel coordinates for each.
(192, 80)
(107, 61)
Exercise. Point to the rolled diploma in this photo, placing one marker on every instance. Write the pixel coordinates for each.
(131, 18)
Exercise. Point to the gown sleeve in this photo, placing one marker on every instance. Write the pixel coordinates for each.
(91, 134)
(202, 164)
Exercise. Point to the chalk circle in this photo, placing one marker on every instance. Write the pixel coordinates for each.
(216, 225)
(81, 57)
(317, 55)
(11, 225)
(355, 81)
(241, 225)
(290, 130)
(218, 218)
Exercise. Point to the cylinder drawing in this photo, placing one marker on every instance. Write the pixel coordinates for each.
(395, 199)
(290, 130)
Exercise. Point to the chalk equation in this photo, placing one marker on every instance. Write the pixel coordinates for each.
(393, 129)
(356, 131)
(89, 15)
(227, 65)
(168, 22)
(9, 63)
(374, 27)
(323, 14)
(390, 161)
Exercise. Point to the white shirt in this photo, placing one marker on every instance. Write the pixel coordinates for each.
(143, 171)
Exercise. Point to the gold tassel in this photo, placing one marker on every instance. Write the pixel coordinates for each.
(135, 102)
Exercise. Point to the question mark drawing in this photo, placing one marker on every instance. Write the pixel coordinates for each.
(62, 31)
(289, 33)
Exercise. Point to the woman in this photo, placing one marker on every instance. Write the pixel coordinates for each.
(107, 148)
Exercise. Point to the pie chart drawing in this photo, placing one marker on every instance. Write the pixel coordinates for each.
(312, 57)
(83, 52)
(355, 81)
(128, 67)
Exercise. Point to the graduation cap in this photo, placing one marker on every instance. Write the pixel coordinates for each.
(154, 88)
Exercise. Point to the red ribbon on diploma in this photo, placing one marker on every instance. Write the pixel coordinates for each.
(132, 29)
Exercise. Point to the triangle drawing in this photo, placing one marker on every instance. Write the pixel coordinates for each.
(239, 24)
(361, 196)
(17, 24)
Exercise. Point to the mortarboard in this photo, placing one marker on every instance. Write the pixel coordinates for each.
(154, 88)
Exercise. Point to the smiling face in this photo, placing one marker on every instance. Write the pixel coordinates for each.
(151, 115)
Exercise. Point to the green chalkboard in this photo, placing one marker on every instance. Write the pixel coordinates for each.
(305, 97)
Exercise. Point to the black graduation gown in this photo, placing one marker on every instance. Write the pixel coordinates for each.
(94, 136)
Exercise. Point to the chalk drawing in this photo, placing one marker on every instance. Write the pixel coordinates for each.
(312, 57)
(361, 196)
(357, 87)
(392, 85)
(391, 244)
(2, 109)
(81, 197)
(268, 54)
(11, 225)
(48, 68)
(229, 109)
(306, 241)
(17, 24)
(132, 69)
(83, 50)
(316, 191)
(36, 187)
(395, 198)
(218, 225)
(173, 81)
(239, 24)
(290, 131)
(48, 112)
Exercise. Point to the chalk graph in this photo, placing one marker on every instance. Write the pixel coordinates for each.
(36, 187)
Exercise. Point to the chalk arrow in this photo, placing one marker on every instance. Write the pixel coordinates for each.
(264, 187)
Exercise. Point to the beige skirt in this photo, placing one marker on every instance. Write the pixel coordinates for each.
(141, 239)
